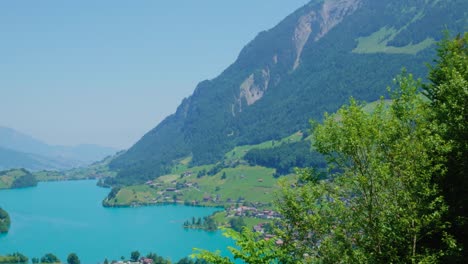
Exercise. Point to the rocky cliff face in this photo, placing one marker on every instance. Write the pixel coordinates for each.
(316, 22)
(296, 71)
(325, 19)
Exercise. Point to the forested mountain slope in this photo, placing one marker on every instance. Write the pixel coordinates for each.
(311, 62)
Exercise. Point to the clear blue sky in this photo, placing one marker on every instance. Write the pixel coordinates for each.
(107, 71)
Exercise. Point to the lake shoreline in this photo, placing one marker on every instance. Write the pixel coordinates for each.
(51, 213)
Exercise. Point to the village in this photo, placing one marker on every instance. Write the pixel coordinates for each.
(142, 260)
(233, 208)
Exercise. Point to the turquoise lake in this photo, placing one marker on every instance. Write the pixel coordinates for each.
(65, 217)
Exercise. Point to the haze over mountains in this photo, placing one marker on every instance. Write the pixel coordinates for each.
(310, 63)
(18, 150)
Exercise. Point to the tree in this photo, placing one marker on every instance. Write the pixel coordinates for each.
(50, 258)
(251, 248)
(237, 223)
(4, 221)
(135, 255)
(210, 224)
(73, 259)
(448, 95)
(387, 161)
(157, 259)
(14, 258)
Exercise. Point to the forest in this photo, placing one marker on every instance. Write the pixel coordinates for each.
(286, 157)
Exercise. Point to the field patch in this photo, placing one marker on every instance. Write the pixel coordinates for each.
(378, 41)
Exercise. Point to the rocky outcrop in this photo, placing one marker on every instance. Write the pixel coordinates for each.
(254, 87)
(331, 14)
(302, 34)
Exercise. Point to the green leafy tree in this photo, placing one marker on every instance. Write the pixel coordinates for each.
(251, 248)
(157, 259)
(387, 159)
(73, 259)
(4, 221)
(382, 202)
(50, 258)
(448, 95)
(237, 223)
(14, 258)
(135, 255)
(210, 224)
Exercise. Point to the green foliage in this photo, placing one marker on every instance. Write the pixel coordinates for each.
(111, 196)
(287, 156)
(387, 161)
(135, 255)
(50, 258)
(27, 180)
(73, 259)
(14, 258)
(237, 223)
(17, 178)
(4, 221)
(157, 259)
(207, 223)
(250, 248)
(187, 260)
(448, 95)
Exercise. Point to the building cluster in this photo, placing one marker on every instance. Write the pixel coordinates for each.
(142, 260)
(252, 212)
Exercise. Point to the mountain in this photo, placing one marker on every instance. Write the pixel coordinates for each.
(18, 150)
(14, 159)
(310, 63)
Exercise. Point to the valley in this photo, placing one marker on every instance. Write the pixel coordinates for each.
(336, 136)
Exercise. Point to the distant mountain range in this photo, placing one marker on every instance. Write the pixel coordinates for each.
(18, 150)
(311, 62)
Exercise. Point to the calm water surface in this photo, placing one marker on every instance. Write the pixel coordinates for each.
(64, 217)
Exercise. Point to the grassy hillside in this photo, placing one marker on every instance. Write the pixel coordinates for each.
(229, 186)
(16, 178)
(231, 181)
